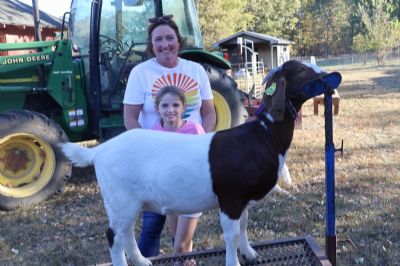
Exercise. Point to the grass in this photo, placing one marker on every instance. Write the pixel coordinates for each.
(69, 228)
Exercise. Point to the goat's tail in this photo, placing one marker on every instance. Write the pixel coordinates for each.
(77, 154)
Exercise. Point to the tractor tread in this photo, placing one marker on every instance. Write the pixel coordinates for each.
(17, 121)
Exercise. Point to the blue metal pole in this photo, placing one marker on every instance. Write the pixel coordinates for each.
(330, 231)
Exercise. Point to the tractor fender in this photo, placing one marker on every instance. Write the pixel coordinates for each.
(205, 57)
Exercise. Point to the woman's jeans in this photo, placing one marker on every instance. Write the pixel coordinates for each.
(152, 225)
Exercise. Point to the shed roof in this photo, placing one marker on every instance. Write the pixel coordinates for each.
(13, 12)
(253, 36)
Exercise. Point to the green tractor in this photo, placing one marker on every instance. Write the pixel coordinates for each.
(72, 88)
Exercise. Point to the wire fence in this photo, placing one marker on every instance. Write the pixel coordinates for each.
(251, 84)
(350, 59)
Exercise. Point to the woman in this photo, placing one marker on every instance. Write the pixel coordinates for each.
(165, 68)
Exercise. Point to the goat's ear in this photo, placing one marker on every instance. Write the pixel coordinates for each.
(274, 98)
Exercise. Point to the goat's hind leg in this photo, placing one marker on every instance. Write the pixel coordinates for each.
(116, 248)
(131, 248)
(124, 239)
(244, 247)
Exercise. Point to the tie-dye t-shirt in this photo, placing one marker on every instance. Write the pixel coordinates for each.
(147, 78)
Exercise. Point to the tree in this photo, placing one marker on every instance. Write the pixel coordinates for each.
(360, 45)
(305, 40)
(323, 27)
(273, 17)
(220, 19)
(382, 33)
(319, 27)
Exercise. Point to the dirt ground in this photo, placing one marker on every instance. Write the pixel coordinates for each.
(68, 229)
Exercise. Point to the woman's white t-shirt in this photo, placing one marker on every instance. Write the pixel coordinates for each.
(147, 78)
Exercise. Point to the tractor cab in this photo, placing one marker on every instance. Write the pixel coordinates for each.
(121, 40)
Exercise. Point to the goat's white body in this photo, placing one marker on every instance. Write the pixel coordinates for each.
(175, 179)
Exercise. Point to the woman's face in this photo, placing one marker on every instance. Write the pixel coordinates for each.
(165, 45)
(170, 109)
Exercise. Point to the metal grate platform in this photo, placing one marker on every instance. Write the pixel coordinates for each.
(293, 251)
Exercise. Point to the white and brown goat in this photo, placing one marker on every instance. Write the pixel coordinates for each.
(173, 173)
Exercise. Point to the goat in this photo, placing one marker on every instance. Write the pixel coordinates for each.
(173, 173)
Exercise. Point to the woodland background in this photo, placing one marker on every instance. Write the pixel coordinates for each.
(320, 28)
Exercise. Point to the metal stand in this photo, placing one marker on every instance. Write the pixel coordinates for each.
(330, 231)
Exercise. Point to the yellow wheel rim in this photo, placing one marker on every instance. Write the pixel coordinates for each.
(27, 164)
(224, 117)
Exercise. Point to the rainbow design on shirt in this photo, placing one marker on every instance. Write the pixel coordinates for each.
(184, 82)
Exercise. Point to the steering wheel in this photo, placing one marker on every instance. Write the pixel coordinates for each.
(108, 44)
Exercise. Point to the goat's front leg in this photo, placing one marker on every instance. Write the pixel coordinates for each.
(286, 175)
(244, 246)
(231, 229)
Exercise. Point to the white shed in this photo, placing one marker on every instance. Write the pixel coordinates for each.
(253, 54)
(272, 51)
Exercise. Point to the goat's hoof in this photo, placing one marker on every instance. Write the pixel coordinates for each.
(249, 254)
(142, 262)
(250, 261)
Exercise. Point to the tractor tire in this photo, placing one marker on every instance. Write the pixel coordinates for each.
(227, 99)
(32, 165)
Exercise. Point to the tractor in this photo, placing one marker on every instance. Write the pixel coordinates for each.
(71, 89)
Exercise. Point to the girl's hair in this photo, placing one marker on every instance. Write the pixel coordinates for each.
(154, 23)
(173, 90)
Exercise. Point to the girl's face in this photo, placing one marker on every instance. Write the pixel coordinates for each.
(165, 46)
(170, 109)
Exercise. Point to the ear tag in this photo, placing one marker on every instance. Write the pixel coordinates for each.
(271, 89)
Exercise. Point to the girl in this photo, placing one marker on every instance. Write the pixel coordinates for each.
(170, 105)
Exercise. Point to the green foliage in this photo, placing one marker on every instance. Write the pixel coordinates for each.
(382, 33)
(220, 19)
(323, 26)
(319, 27)
(360, 45)
(273, 17)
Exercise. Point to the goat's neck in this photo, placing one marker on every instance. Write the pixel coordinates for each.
(291, 109)
(280, 131)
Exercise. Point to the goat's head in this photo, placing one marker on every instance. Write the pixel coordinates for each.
(292, 84)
